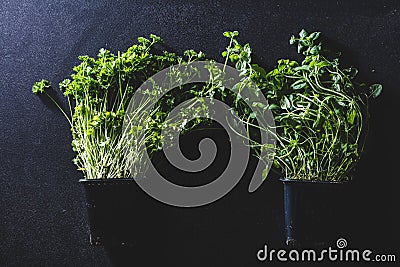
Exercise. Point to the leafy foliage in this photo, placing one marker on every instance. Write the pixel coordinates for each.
(98, 94)
(40, 86)
(321, 113)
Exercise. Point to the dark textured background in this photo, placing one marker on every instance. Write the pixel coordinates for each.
(43, 221)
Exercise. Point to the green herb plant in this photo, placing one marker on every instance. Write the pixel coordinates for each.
(98, 95)
(321, 113)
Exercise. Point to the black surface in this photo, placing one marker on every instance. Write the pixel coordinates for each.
(43, 220)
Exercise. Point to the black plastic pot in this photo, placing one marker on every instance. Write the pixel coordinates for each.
(120, 213)
(315, 212)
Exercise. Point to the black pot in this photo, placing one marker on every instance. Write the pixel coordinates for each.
(315, 212)
(120, 213)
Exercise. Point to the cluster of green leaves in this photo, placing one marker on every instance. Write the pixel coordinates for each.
(98, 94)
(320, 112)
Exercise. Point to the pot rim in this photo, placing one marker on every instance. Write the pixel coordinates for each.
(107, 180)
(286, 180)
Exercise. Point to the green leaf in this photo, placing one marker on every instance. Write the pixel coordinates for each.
(303, 33)
(234, 57)
(227, 34)
(315, 50)
(143, 40)
(40, 86)
(292, 40)
(259, 69)
(298, 84)
(259, 104)
(273, 106)
(323, 64)
(231, 34)
(190, 53)
(155, 38)
(318, 122)
(285, 103)
(351, 115)
(314, 36)
(299, 48)
(303, 67)
(375, 90)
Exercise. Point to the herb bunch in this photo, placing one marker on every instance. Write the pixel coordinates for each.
(320, 112)
(98, 94)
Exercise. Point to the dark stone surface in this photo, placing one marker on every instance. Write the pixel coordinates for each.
(43, 220)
